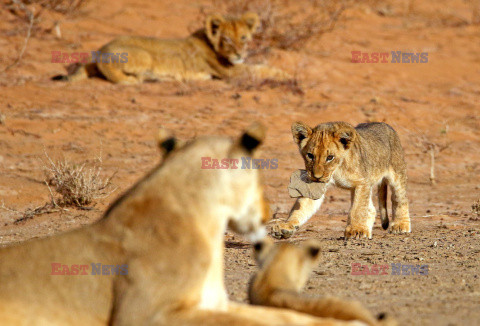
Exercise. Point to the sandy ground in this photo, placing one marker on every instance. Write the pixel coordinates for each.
(435, 102)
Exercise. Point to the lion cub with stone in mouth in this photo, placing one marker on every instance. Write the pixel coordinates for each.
(359, 159)
(216, 51)
(284, 270)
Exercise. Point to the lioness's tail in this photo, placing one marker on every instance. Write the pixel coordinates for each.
(382, 203)
(80, 72)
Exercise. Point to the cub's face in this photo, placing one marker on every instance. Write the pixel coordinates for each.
(230, 37)
(323, 148)
(286, 265)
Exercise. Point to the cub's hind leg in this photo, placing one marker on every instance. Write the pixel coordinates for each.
(134, 71)
(382, 203)
(400, 214)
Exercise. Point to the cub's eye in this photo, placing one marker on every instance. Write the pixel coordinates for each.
(330, 158)
(310, 156)
(243, 38)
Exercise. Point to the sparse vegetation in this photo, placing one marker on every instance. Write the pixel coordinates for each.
(284, 25)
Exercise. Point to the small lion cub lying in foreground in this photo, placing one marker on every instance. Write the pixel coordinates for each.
(284, 270)
(359, 159)
(216, 51)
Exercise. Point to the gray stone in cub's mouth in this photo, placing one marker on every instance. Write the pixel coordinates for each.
(301, 186)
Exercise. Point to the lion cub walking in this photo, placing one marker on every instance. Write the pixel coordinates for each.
(284, 270)
(216, 51)
(359, 159)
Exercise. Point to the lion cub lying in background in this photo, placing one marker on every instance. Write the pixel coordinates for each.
(359, 159)
(284, 270)
(216, 51)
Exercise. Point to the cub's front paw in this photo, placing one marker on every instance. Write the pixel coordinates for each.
(400, 227)
(357, 232)
(283, 230)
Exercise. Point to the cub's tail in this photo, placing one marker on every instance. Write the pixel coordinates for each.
(78, 72)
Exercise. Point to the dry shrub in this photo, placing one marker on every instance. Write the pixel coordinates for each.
(62, 6)
(284, 24)
(77, 184)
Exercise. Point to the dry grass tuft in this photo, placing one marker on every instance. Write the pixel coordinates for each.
(77, 184)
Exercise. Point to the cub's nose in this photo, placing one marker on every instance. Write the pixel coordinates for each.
(317, 175)
(314, 178)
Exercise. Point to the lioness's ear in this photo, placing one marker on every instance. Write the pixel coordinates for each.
(346, 135)
(300, 131)
(166, 142)
(252, 21)
(252, 137)
(212, 24)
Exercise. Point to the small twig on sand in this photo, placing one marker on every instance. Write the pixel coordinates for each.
(31, 18)
(432, 164)
(48, 208)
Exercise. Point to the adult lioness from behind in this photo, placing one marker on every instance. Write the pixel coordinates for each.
(161, 244)
(359, 159)
(216, 51)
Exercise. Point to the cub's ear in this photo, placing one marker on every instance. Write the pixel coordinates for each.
(261, 250)
(300, 131)
(346, 135)
(166, 142)
(313, 249)
(252, 21)
(212, 25)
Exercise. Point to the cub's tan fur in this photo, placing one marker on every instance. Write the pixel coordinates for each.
(359, 159)
(169, 230)
(284, 270)
(217, 51)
